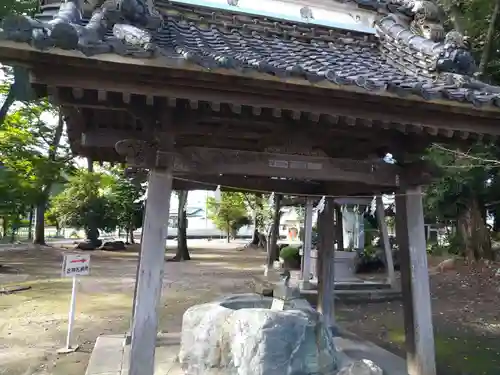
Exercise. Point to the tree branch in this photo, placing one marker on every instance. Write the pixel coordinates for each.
(455, 15)
(486, 55)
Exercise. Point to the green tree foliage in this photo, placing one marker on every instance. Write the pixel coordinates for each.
(478, 20)
(26, 7)
(467, 183)
(126, 199)
(258, 205)
(32, 159)
(469, 176)
(230, 214)
(7, 89)
(85, 203)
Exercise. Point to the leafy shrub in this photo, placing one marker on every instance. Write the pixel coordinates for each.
(23, 223)
(289, 253)
(372, 259)
(436, 249)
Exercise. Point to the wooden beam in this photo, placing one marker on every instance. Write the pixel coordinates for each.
(280, 100)
(215, 162)
(211, 161)
(269, 185)
(415, 283)
(241, 183)
(149, 283)
(107, 138)
(224, 136)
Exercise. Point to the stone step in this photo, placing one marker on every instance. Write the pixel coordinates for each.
(356, 296)
(359, 285)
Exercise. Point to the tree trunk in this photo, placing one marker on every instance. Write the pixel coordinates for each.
(262, 241)
(339, 228)
(9, 100)
(42, 203)
(272, 244)
(474, 233)
(496, 221)
(90, 165)
(92, 233)
(4, 227)
(40, 223)
(182, 248)
(131, 234)
(30, 225)
(12, 234)
(486, 55)
(255, 235)
(228, 230)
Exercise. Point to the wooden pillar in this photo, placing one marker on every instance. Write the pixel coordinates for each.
(326, 252)
(415, 283)
(306, 257)
(149, 282)
(384, 235)
(272, 244)
(339, 227)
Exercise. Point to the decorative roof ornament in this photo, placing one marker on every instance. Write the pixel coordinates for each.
(306, 14)
(233, 3)
(130, 22)
(417, 27)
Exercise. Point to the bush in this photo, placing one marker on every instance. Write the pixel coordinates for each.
(289, 253)
(372, 259)
(436, 249)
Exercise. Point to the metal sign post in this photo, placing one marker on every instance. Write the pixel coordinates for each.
(73, 265)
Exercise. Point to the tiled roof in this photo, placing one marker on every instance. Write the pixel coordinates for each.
(432, 65)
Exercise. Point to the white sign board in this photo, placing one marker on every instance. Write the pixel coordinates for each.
(294, 164)
(76, 265)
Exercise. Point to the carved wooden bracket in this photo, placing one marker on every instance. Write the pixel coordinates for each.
(137, 153)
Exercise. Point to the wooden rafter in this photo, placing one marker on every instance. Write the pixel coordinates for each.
(285, 186)
(318, 102)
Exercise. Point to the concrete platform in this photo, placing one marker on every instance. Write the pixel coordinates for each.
(111, 357)
(353, 290)
(356, 348)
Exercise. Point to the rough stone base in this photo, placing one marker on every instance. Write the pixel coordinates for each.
(240, 335)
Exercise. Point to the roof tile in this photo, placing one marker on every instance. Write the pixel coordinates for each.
(400, 61)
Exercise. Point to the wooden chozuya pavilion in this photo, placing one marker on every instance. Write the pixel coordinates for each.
(295, 104)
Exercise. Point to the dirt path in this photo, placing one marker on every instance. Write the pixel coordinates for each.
(33, 322)
(466, 317)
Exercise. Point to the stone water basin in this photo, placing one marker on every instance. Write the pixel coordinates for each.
(242, 335)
